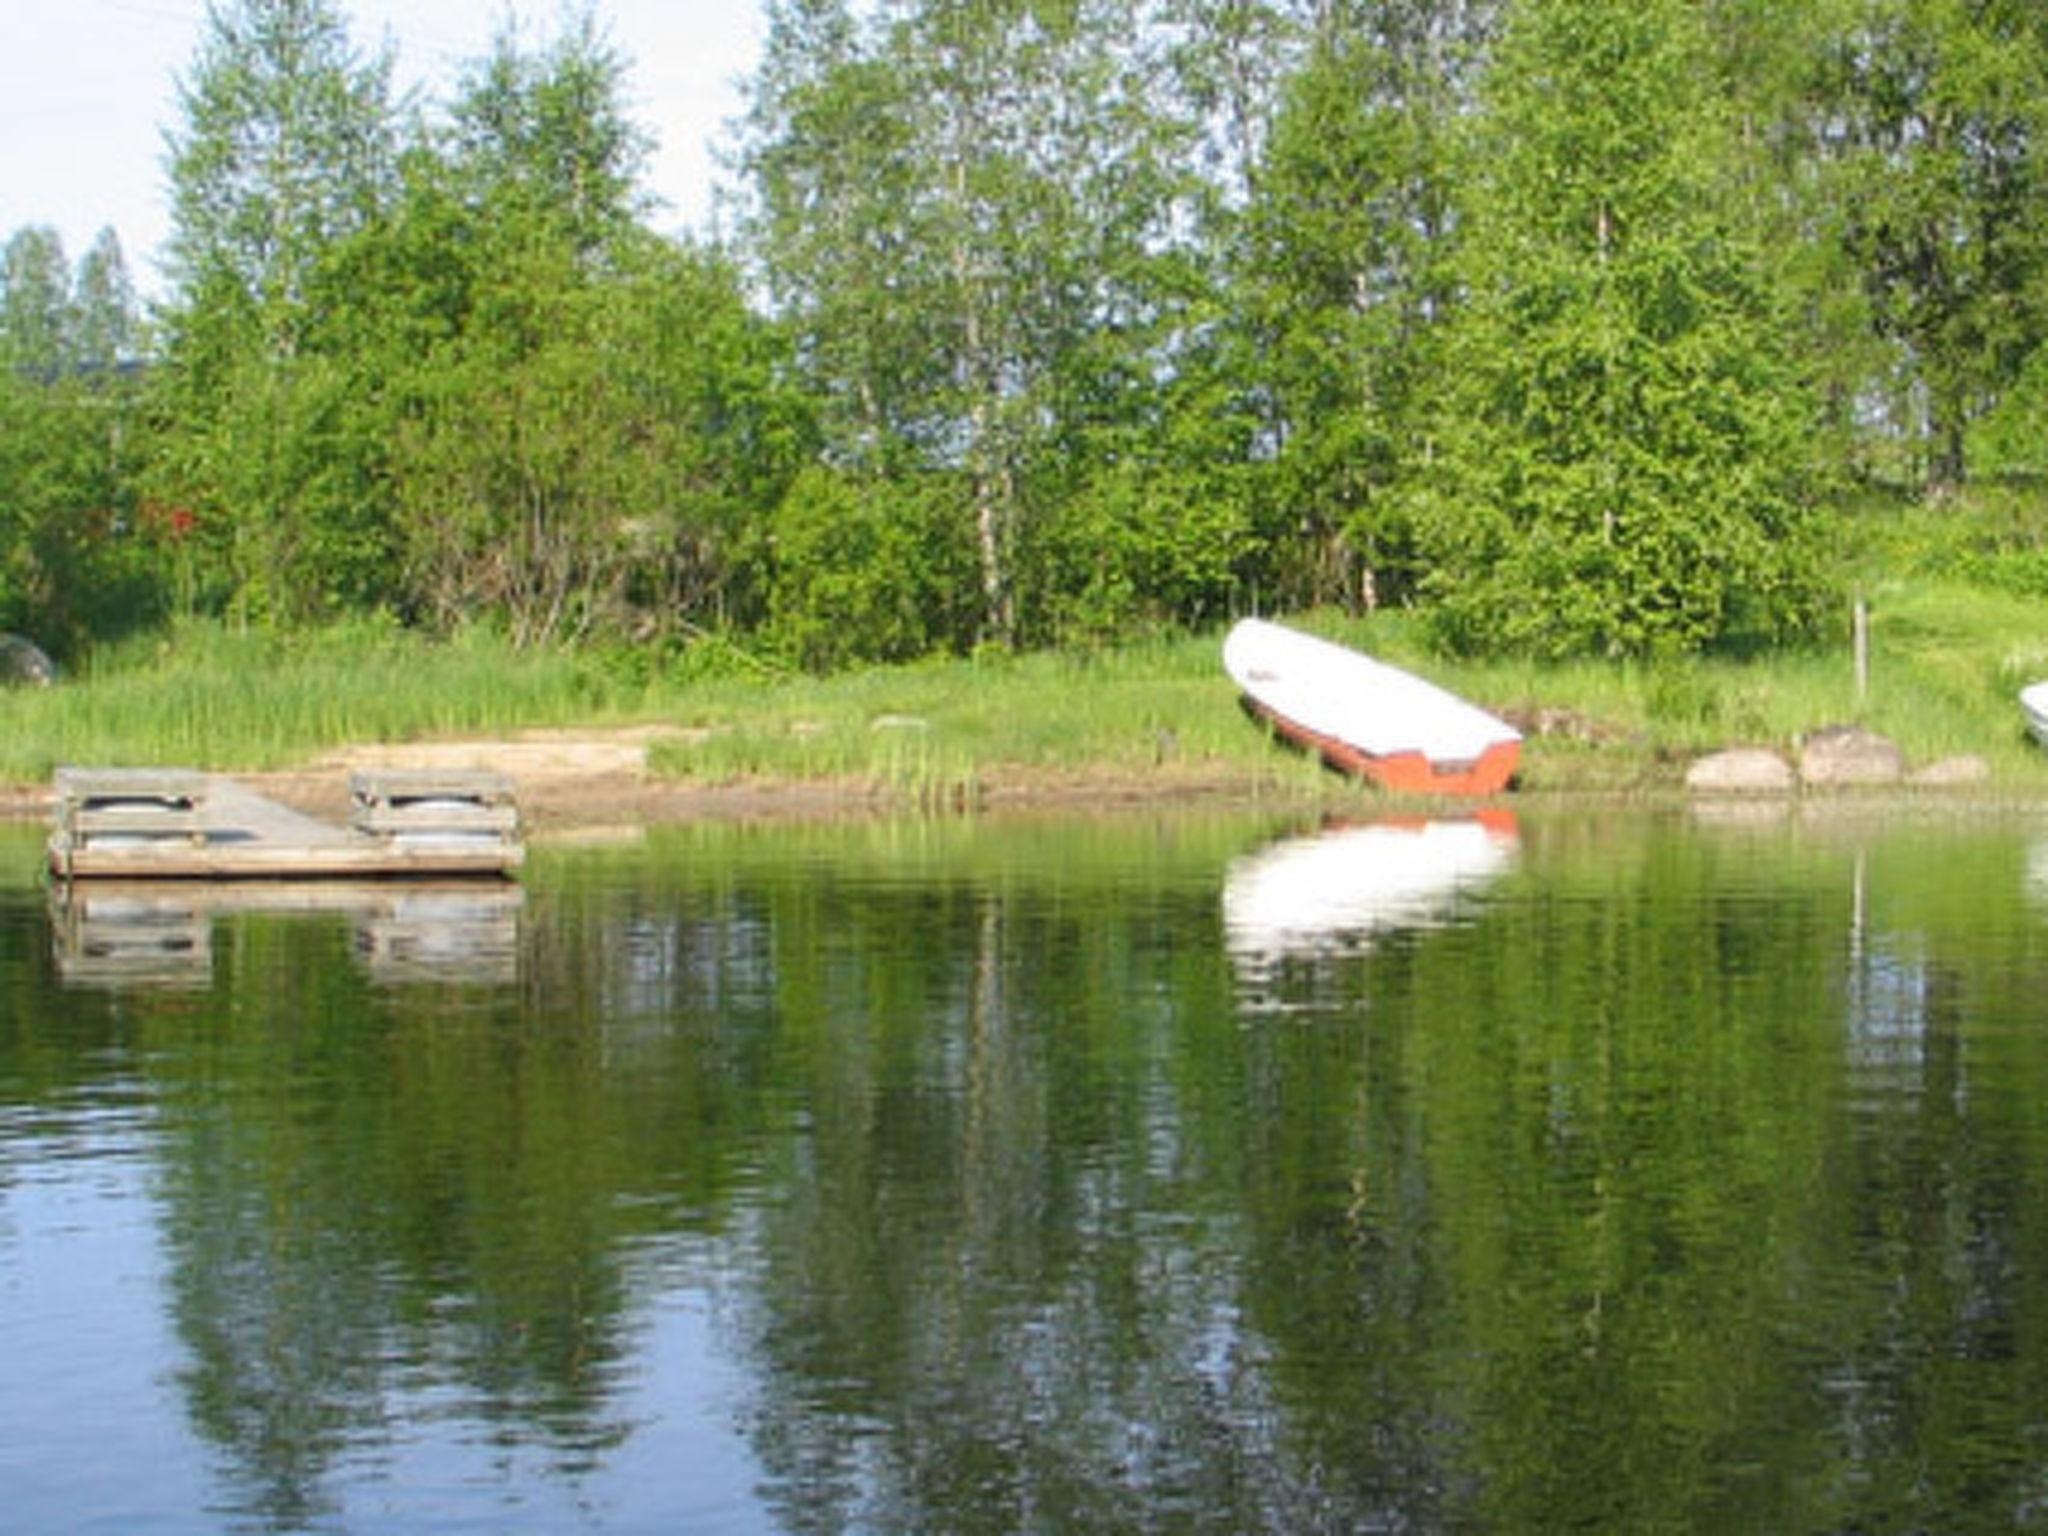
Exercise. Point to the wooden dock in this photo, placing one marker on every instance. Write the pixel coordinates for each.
(153, 823)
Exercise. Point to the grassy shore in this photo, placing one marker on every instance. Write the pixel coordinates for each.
(1946, 660)
(1944, 665)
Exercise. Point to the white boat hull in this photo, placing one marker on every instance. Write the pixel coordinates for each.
(2034, 706)
(1367, 717)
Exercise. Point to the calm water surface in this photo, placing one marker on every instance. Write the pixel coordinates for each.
(1575, 1171)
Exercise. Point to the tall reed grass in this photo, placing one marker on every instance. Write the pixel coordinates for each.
(210, 696)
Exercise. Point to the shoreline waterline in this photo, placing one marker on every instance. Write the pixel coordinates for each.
(565, 800)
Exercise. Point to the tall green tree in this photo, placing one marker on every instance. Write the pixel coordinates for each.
(35, 302)
(73, 561)
(1347, 275)
(961, 210)
(1773, 68)
(574, 420)
(106, 324)
(1232, 61)
(287, 143)
(548, 128)
(830, 151)
(286, 148)
(1941, 167)
(1623, 446)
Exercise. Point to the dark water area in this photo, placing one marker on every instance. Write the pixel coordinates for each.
(1574, 1170)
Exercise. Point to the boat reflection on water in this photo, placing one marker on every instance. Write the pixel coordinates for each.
(1334, 892)
(160, 933)
(2036, 878)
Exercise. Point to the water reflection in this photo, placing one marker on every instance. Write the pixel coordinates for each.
(1333, 892)
(467, 933)
(159, 934)
(133, 938)
(2037, 873)
(1891, 1003)
(929, 1178)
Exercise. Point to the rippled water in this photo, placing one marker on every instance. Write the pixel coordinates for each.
(1622, 1172)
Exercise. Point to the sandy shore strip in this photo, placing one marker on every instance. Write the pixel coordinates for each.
(572, 780)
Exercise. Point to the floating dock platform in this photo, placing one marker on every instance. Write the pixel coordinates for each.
(156, 823)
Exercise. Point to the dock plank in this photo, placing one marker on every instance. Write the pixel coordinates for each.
(97, 804)
(79, 785)
(393, 786)
(235, 808)
(432, 817)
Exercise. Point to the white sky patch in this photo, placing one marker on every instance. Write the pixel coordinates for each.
(88, 90)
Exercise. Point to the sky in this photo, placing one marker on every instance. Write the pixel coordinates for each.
(88, 89)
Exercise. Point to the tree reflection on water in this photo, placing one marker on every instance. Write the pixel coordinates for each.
(1669, 1175)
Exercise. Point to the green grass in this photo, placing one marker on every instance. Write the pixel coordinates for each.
(1946, 662)
(1947, 658)
(936, 728)
(207, 696)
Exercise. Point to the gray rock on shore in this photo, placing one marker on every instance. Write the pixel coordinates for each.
(1954, 772)
(1837, 757)
(1741, 771)
(1850, 757)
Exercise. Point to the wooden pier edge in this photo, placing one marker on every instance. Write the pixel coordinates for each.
(183, 824)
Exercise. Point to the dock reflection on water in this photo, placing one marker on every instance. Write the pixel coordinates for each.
(160, 933)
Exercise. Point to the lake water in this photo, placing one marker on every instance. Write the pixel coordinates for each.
(1575, 1170)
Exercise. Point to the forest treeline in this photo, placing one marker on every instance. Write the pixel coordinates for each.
(1570, 323)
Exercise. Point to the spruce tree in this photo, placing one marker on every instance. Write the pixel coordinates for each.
(1622, 446)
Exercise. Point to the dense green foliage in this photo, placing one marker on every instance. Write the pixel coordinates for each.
(1950, 645)
(1052, 320)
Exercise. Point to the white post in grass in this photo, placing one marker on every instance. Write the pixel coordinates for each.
(1860, 628)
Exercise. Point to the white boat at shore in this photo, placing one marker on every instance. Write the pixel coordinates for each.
(1367, 717)
(2034, 706)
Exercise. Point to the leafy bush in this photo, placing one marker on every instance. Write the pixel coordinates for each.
(868, 571)
(1137, 548)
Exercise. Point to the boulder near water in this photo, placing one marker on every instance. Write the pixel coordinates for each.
(22, 664)
(1848, 756)
(1741, 771)
(1954, 772)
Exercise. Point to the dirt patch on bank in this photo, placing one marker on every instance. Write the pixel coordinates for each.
(569, 780)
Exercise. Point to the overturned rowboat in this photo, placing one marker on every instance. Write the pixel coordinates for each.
(1366, 717)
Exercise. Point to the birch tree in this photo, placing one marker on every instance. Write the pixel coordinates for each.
(1347, 278)
(1940, 171)
(286, 143)
(960, 211)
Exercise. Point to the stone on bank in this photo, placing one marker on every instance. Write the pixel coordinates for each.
(1741, 771)
(1850, 757)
